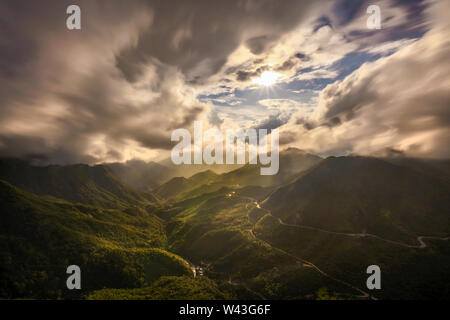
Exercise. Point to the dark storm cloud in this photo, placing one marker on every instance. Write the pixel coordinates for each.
(118, 86)
(198, 36)
(305, 123)
(247, 75)
(286, 65)
(56, 88)
(257, 45)
(287, 137)
(345, 105)
(39, 151)
(272, 122)
(322, 22)
(346, 10)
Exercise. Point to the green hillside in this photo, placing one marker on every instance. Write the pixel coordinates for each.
(355, 194)
(215, 231)
(308, 234)
(180, 187)
(95, 185)
(169, 288)
(406, 272)
(40, 238)
(438, 168)
(292, 162)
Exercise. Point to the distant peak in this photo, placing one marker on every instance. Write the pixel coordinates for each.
(294, 150)
(208, 172)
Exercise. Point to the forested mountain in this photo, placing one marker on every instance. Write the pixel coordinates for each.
(95, 185)
(309, 233)
(40, 238)
(143, 176)
(357, 194)
(292, 161)
(179, 186)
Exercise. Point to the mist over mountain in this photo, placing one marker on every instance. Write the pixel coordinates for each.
(187, 170)
(227, 235)
(96, 185)
(357, 194)
(291, 161)
(144, 176)
(98, 97)
(179, 185)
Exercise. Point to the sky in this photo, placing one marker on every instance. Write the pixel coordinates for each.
(137, 70)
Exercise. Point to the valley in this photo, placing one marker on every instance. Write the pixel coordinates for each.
(307, 233)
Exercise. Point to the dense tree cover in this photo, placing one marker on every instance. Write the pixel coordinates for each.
(169, 288)
(41, 237)
(94, 185)
(215, 230)
(356, 194)
(131, 245)
(292, 162)
(407, 273)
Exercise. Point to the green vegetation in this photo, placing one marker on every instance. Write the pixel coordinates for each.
(95, 185)
(181, 187)
(407, 273)
(338, 216)
(40, 238)
(168, 288)
(292, 162)
(215, 231)
(355, 194)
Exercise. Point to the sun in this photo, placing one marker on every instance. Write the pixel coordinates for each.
(267, 78)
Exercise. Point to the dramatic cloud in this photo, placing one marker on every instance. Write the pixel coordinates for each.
(199, 36)
(137, 70)
(400, 102)
(116, 89)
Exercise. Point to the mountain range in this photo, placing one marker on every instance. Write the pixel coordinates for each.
(139, 231)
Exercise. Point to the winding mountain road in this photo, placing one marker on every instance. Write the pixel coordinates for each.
(304, 262)
(307, 263)
(421, 244)
(420, 240)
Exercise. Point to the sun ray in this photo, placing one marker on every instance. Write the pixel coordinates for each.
(267, 78)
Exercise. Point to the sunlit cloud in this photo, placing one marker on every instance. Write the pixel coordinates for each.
(267, 78)
(115, 91)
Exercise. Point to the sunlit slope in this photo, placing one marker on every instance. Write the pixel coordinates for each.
(215, 231)
(115, 249)
(95, 185)
(170, 288)
(292, 162)
(356, 194)
(179, 187)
